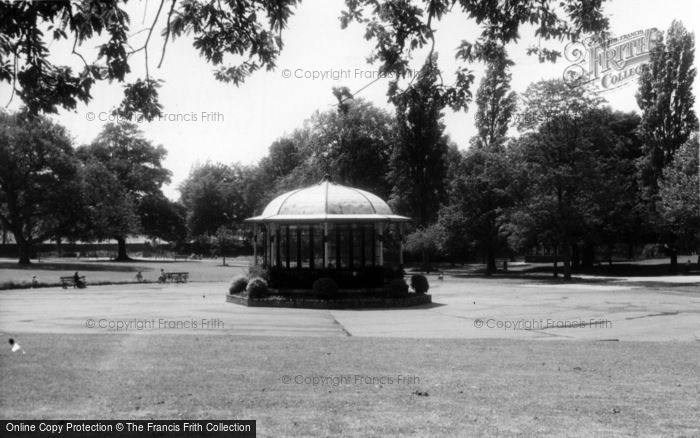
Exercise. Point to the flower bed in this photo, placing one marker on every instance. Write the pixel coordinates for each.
(345, 300)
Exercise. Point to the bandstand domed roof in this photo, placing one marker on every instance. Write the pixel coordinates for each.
(328, 202)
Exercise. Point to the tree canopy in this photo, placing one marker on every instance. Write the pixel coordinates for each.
(241, 37)
(38, 178)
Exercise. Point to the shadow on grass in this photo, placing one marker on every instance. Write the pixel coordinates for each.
(77, 266)
(11, 285)
(624, 270)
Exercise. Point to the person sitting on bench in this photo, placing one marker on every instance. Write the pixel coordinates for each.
(77, 282)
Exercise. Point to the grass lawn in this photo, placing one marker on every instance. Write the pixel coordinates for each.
(465, 387)
(48, 271)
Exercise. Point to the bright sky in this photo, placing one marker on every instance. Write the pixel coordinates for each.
(268, 105)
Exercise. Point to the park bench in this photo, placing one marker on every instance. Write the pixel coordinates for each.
(175, 277)
(180, 256)
(70, 281)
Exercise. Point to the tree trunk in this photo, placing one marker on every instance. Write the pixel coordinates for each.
(426, 261)
(674, 261)
(588, 256)
(567, 261)
(555, 270)
(25, 250)
(121, 250)
(610, 247)
(575, 257)
(490, 264)
(630, 251)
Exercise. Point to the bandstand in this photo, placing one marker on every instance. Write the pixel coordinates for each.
(328, 230)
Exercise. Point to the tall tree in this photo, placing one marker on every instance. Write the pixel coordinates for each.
(678, 202)
(561, 165)
(496, 104)
(418, 165)
(134, 162)
(478, 195)
(38, 179)
(666, 99)
(615, 213)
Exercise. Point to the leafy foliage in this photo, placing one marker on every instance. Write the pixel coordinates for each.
(162, 218)
(39, 184)
(496, 104)
(110, 211)
(214, 198)
(418, 166)
(135, 168)
(257, 287)
(478, 201)
(419, 283)
(249, 29)
(679, 197)
(666, 98)
(400, 28)
(238, 284)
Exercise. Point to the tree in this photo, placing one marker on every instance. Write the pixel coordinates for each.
(426, 241)
(478, 185)
(249, 31)
(353, 145)
(134, 162)
(666, 99)
(38, 179)
(418, 165)
(615, 213)
(560, 166)
(162, 218)
(679, 200)
(222, 240)
(213, 198)
(480, 193)
(401, 27)
(496, 104)
(249, 28)
(109, 208)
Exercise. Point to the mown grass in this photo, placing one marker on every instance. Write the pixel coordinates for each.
(465, 387)
(97, 272)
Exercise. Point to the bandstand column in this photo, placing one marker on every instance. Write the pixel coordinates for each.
(255, 245)
(381, 244)
(401, 245)
(325, 245)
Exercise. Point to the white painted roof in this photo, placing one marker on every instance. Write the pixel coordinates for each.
(328, 202)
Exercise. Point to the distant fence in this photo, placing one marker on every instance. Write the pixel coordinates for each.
(109, 250)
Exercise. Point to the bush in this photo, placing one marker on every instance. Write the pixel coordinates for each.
(325, 287)
(258, 271)
(238, 284)
(419, 284)
(397, 288)
(257, 287)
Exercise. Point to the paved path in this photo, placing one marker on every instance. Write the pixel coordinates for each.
(463, 308)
